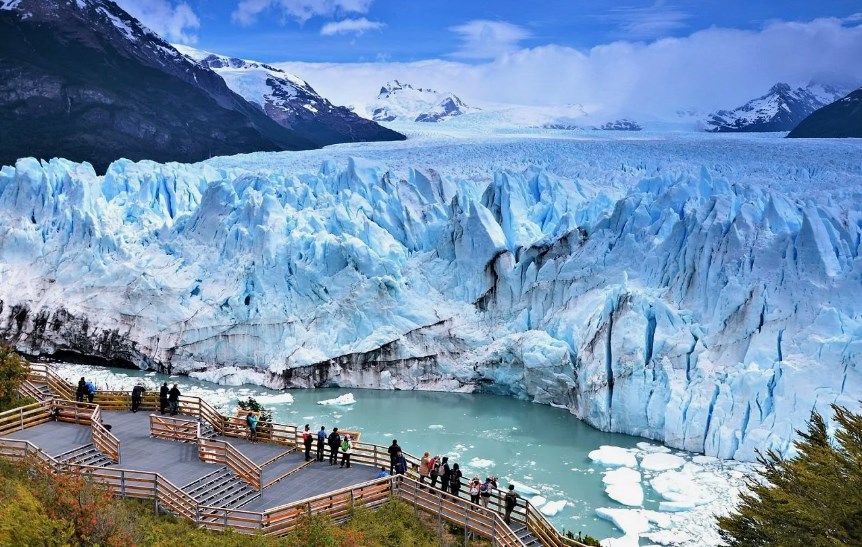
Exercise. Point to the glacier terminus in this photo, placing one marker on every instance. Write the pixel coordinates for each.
(699, 290)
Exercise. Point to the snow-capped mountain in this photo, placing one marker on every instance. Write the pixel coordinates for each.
(290, 101)
(781, 109)
(83, 79)
(709, 307)
(843, 118)
(398, 101)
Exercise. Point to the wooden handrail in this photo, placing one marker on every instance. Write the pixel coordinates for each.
(224, 453)
(174, 429)
(107, 443)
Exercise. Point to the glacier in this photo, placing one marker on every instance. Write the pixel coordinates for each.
(696, 290)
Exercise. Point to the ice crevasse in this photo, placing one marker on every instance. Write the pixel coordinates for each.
(711, 314)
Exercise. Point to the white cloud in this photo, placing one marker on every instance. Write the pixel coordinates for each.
(482, 39)
(299, 10)
(710, 69)
(346, 26)
(173, 22)
(648, 22)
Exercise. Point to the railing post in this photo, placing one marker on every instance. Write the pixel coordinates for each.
(156, 494)
(21, 418)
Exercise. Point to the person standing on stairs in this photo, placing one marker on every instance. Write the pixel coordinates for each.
(424, 467)
(511, 501)
(445, 471)
(81, 391)
(334, 444)
(307, 440)
(321, 442)
(455, 480)
(163, 398)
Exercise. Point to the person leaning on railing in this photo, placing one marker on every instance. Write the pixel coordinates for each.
(251, 419)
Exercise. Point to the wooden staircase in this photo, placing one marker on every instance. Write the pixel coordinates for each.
(88, 454)
(222, 489)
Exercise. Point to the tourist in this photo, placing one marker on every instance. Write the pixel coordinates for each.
(511, 501)
(394, 449)
(346, 446)
(424, 467)
(307, 439)
(321, 441)
(174, 400)
(475, 488)
(91, 391)
(251, 420)
(163, 398)
(444, 474)
(137, 395)
(435, 470)
(382, 473)
(334, 442)
(486, 490)
(400, 463)
(81, 391)
(455, 480)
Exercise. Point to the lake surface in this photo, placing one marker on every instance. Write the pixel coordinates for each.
(544, 447)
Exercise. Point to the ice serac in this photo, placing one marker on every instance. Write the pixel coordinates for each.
(710, 309)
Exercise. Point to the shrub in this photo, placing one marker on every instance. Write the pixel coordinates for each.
(811, 500)
(251, 405)
(585, 539)
(13, 371)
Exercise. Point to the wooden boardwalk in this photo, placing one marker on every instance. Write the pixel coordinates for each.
(199, 466)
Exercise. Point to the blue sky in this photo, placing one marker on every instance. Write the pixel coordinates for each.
(622, 57)
(347, 31)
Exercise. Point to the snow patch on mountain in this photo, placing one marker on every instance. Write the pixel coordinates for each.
(399, 101)
(781, 109)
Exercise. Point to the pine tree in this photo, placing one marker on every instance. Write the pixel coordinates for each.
(814, 499)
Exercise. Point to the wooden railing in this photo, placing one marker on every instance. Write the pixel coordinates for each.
(268, 432)
(174, 429)
(24, 417)
(47, 375)
(223, 453)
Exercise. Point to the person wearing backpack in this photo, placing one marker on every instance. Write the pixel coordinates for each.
(400, 464)
(510, 502)
(475, 488)
(455, 480)
(307, 440)
(334, 442)
(346, 446)
(91, 391)
(435, 470)
(81, 391)
(424, 467)
(444, 473)
(393, 450)
(485, 491)
(321, 442)
(251, 420)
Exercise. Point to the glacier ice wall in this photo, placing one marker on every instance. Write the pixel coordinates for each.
(711, 308)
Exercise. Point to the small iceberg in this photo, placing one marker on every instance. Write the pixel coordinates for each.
(552, 508)
(279, 398)
(479, 463)
(661, 462)
(523, 489)
(346, 399)
(613, 456)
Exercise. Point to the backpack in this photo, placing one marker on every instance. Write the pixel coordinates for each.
(485, 489)
(474, 489)
(511, 500)
(434, 464)
(345, 445)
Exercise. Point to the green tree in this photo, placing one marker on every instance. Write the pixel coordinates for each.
(13, 371)
(814, 499)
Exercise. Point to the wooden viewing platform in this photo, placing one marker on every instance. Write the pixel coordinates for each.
(199, 466)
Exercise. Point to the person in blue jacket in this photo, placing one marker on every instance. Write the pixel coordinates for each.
(91, 391)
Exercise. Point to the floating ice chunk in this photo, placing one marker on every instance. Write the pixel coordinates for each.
(613, 456)
(661, 462)
(346, 399)
(435, 426)
(553, 507)
(523, 489)
(632, 522)
(624, 486)
(680, 489)
(538, 501)
(669, 537)
(676, 506)
(280, 398)
(625, 541)
(480, 463)
(648, 447)
(705, 460)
